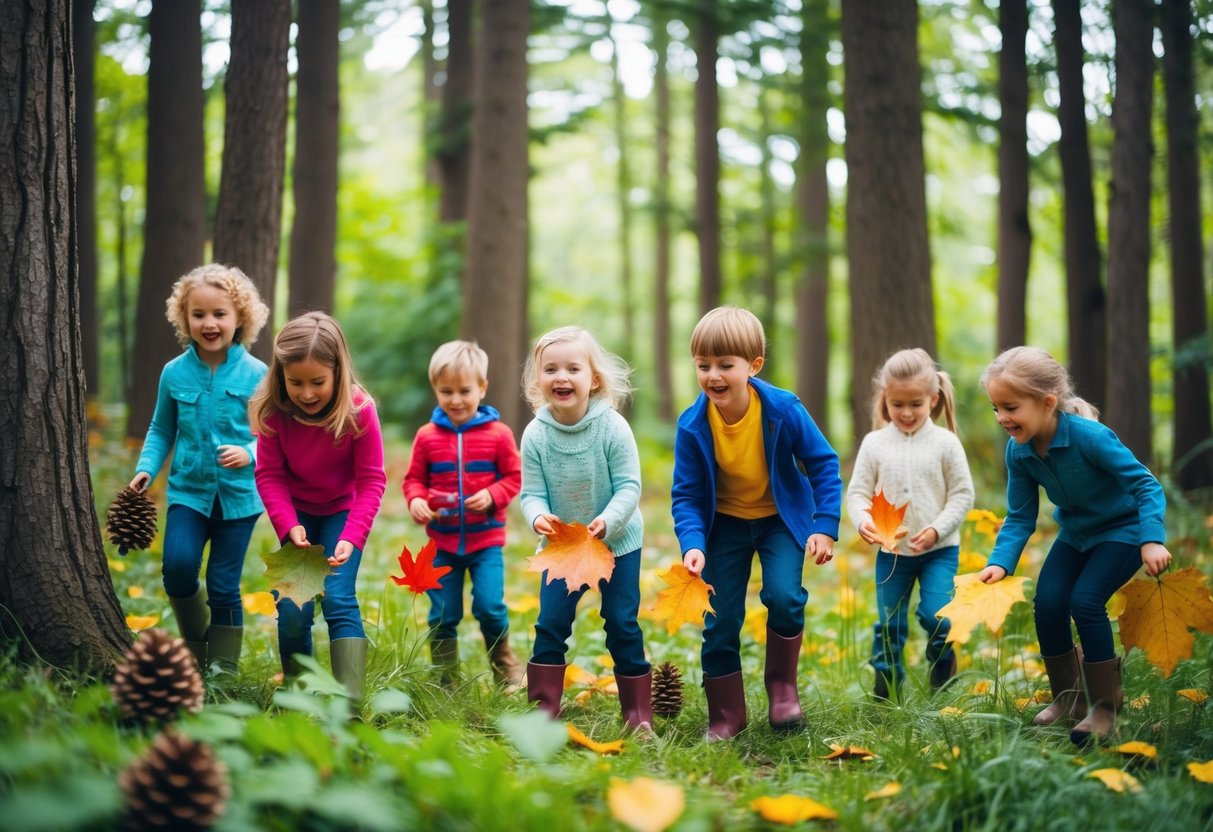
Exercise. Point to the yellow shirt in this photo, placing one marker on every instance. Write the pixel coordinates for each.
(743, 486)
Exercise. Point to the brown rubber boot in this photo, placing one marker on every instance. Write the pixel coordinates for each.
(544, 686)
(506, 670)
(783, 655)
(193, 620)
(1106, 697)
(636, 702)
(1065, 679)
(726, 706)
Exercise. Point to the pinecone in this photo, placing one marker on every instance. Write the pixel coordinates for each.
(130, 521)
(157, 677)
(176, 784)
(667, 690)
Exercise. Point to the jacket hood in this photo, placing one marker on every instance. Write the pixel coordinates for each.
(484, 415)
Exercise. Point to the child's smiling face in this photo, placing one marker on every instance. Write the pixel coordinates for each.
(1024, 418)
(566, 380)
(725, 379)
(459, 395)
(213, 321)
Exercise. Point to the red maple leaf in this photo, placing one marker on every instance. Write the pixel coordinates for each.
(420, 574)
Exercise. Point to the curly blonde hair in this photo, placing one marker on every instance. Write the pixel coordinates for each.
(613, 373)
(250, 309)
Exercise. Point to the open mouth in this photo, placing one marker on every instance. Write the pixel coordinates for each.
(562, 392)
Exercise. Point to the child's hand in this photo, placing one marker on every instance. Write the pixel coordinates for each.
(233, 456)
(543, 523)
(991, 574)
(298, 536)
(141, 481)
(481, 501)
(924, 540)
(341, 552)
(420, 510)
(820, 548)
(693, 561)
(1156, 558)
(597, 527)
(867, 530)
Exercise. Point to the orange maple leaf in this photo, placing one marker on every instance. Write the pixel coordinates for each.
(848, 752)
(420, 574)
(612, 747)
(887, 519)
(575, 555)
(1160, 612)
(685, 601)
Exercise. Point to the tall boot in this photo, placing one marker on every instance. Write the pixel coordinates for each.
(544, 686)
(726, 706)
(1106, 698)
(783, 654)
(1065, 680)
(942, 670)
(636, 701)
(193, 619)
(348, 657)
(444, 653)
(223, 646)
(506, 670)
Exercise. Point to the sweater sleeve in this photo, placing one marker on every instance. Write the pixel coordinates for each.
(161, 432)
(820, 463)
(1023, 504)
(370, 481)
(863, 482)
(271, 476)
(623, 461)
(417, 479)
(959, 483)
(1135, 478)
(509, 470)
(534, 492)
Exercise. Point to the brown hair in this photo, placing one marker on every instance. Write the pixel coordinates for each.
(729, 330)
(911, 365)
(252, 312)
(1031, 371)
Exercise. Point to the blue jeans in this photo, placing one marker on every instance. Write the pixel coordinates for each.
(339, 604)
(727, 564)
(185, 534)
(895, 576)
(486, 568)
(1074, 584)
(620, 608)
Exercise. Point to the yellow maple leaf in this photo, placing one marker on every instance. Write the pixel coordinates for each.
(849, 752)
(790, 808)
(1160, 612)
(1201, 771)
(577, 676)
(1193, 695)
(646, 805)
(684, 601)
(887, 519)
(575, 555)
(613, 747)
(260, 603)
(141, 622)
(1136, 748)
(1117, 780)
(980, 603)
(984, 521)
(889, 789)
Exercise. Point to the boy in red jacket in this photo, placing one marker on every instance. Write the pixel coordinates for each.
(463, 472)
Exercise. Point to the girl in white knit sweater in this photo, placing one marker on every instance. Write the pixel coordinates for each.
(912, 460)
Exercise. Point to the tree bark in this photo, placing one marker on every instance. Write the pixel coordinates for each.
(432, 94)
(1014, 229)
(313, 267)
(707, 155)
(623, 189)
(86, 189)
(661, 219)
(455, 129)
(174, 230)
(767, 268)
(56, 598)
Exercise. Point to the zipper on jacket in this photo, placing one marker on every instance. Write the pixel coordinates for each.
(459, 490)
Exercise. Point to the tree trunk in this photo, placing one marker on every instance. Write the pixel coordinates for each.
(431, 93)
(494, 308)
(813, 201)
(313, 266)
(1084, 288)
(1192, 457)
(174, 230)
(663, 377)
(55, 591)
(248, 221)
(623, 188)
(86, 189)
(455, 130)
(887, 245)
(1128, 409)
(768, 268)
(707, 155)
(1014, 229)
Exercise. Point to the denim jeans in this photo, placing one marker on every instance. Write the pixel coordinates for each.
(895, 576)
(1077, 585)
(339, 604)
(185, 534)
(620, 608)
(727, 564)
(486, 568)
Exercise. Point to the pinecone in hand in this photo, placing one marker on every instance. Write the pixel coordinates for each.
(157, 677)
(176, 784)
(667, 690)
(130, 521)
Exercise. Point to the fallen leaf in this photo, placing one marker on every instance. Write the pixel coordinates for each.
(613, 747)
(685, 601)
(574, 555)
(297, 572)
(1160, 612)
(849, 752)
(1201, 771)
(1193, 695)
(984, 521)
(889, 789)
(980, 688)
(260, 603)
(1140, 702)
(141, 622)
(951, 710)
(887, 519)
(576, 676)
(1116, 779)
(420, 574)
(134, 591)
(980, 603)
(1136, 748)
(646, 805)
(789, 809)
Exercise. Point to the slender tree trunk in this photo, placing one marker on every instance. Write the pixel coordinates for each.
(707, 155)
(1014, 230)
(623, 188)
(1128, 410)
(661, 220)
(887, 245)
(86, 189)
(248, 222)
(494, 299)
(313, 267)
(1192, 457)
(57, 600)
(1086, 312)
(768, 269)
(455, 130)
(431, 93)
(174, 230)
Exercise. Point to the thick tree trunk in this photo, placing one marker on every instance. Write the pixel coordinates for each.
(1128, 409)
(86, 189)
(1086, 312)
(455, 130)
(662, 374)
(248, 221)
(313, 267)
(55, 592)
(1014, 230)
(707, 155)
(623, 190)
(174, 230)
(1192, 454)
(494, 286)
(887, 245)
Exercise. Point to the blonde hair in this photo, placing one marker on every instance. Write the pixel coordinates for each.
(1031, 371)
(729, 330)
(457, 358)
(613, 373)
(907, 366)
(252, 312)
(316, 336)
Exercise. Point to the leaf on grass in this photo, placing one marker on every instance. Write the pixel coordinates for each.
(1136, 748)
(613, 747)
(1116, 779)
(1160, 612)
(849, 752)
(420, 574)
(297, 572)
(260, 603)
(980, 603)
(646, 805)
(134, 591)
(141, 622)
(684, 601)
(577, 676)
(1193, 695)
(980, 688)
(789, 809)
(951, 710)
(1201, 771)
(575, 555)
(984, 521)
(887, 518)
(890, 789)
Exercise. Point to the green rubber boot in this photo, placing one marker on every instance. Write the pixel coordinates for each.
(193, 620)
(223, 647)
(348, 656)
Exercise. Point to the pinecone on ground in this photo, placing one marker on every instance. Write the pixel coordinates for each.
(177, 784)
(667, 690)
(130, 521)
(157, 677)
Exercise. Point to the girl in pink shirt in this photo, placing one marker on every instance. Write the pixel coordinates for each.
(320, 474)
